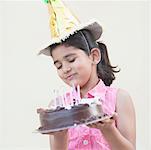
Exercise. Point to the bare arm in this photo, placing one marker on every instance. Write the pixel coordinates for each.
(59, 140)
(124, 136)
(121, 138)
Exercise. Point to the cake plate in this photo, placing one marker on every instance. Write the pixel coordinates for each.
(72, 126)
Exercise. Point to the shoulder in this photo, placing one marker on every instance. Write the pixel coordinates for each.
(124, 103)
(123, 98)
(125, 109)
(126, 115)
(122, 92)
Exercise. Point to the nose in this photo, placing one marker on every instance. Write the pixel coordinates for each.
(66, 69)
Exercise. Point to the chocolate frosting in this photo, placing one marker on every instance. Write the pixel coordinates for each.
(61, 117)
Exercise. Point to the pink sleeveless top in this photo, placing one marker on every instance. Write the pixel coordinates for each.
(85, 138)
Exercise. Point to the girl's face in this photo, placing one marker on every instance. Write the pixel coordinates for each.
(73, 65)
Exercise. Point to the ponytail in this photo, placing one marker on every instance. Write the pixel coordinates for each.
(104, 69)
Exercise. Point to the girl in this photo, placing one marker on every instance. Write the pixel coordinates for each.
(83, 61)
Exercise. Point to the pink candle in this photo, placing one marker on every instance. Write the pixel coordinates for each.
(78, 93)
(54, 99)
(71, 97)
(66, 100)
(75, 94)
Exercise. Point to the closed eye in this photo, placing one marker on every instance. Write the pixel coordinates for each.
(71, 60)
(58, 65)
(68, 59)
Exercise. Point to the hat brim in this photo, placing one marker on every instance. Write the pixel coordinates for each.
(93, 26)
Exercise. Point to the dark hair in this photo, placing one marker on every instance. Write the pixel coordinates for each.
(84, 40)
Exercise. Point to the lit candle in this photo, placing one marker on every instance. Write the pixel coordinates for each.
(59, 99)
(71, 97)
(54, 98)
(74, 95)
(65, 100)
(56, 101)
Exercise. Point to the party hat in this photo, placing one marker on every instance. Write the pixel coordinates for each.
(64, 23)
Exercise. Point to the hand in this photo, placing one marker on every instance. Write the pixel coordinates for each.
(104, 124)
(59, 140)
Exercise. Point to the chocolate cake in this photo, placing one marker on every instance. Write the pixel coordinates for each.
(62, 118)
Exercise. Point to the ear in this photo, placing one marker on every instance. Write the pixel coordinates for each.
(95, 55)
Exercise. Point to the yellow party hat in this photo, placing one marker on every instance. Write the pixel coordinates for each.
(64, 23)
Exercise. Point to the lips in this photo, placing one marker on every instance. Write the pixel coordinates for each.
(70, 77)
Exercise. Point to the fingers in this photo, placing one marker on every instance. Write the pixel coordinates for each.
(114, 117)
(97, 125)
(104, 123)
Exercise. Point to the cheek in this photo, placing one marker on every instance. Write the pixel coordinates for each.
(80, 63)
(83, 66)
(60, 74)
(84, 71)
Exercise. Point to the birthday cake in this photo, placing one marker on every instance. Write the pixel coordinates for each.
(82, 111)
